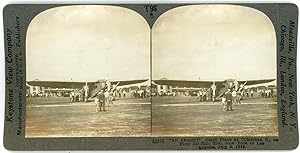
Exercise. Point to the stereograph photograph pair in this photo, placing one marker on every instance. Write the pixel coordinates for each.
(150, 76)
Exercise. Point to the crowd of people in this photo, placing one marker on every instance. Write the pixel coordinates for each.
(231, 98)
(103, 99)
(136, 93)
(267, 93)
(47, 94)
(75, 96)
(204, 95)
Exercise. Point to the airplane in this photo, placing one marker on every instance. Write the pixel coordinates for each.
(218, 88)
(88, 89)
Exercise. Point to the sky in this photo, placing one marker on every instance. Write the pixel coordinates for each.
(213, 42)
(88, 43)
(206, 42)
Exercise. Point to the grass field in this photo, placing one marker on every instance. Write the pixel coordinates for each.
(185, 116)
(57, 117)
(171, 116)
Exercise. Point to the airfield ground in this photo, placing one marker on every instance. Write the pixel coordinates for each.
(185, 116)
(171, 116)
(57, 117)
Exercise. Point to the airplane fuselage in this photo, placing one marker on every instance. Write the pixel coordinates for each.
(224, 86)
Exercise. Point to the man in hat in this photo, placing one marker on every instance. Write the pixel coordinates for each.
(101, 101)
(228, 97)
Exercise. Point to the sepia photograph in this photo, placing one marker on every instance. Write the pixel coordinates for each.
(214, 72)
(150, 76)
(88, 73)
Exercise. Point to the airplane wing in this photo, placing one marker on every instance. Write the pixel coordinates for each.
(254, 82)
(128, 82)
(184, 83)
(118, 83)
(57, 84)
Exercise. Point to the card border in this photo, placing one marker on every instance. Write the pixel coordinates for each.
(279, 13)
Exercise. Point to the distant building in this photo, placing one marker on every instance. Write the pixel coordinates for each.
(34, 90)
(42, 91)
(156, 88)
(163, 88)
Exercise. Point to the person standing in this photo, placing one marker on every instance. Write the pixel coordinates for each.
(200, 96)
(213, 88)
(101, 102)
(97, 102)
(120, 95)
(111, 97)
(247, 92)
(239, 97)
(106, 95)
(234, 97)
(224, 103)
(72, 97)
(124, 93)
(76, 95)
(228, 97)
(85, 92)
(271, 92)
